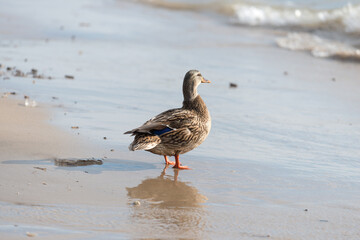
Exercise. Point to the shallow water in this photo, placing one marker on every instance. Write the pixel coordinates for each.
(251, 202)
(286, 139)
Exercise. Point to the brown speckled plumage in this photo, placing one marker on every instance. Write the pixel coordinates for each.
(187, 127)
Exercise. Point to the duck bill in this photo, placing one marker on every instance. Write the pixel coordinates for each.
(203, 80)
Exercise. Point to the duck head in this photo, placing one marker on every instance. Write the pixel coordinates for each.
(192, 80)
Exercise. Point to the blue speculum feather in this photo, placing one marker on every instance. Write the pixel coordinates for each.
(162, 131)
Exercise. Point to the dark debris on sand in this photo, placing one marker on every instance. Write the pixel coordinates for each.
(33, 73)
(72, 162)
(233, 85)
(69, 76)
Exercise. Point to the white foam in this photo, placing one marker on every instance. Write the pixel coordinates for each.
(346, 18)
(319, 47)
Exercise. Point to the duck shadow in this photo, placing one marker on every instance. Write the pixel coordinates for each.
(107, 165)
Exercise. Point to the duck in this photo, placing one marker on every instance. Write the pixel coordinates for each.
(179, 130)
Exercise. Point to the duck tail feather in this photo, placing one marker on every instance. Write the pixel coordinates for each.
(144, 142)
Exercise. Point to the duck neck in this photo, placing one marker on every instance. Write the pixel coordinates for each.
(197, 105)
(189, 90)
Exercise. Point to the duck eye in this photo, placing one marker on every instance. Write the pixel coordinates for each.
(199, 75)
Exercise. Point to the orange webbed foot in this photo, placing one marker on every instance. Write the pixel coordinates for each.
(178, 165)
(167, 162)
(181, 167)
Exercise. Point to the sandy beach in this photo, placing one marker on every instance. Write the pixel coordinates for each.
(26, 133)
(282, 160)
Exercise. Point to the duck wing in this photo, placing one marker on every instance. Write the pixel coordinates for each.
(167, 121)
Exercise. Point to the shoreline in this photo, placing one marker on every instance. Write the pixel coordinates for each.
(27, 133)
(29, 176)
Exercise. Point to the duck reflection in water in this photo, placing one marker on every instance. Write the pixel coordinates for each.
(167, 203)
(166, 192)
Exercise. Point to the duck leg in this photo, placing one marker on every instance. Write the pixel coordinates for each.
(178, 165)
(167, 162)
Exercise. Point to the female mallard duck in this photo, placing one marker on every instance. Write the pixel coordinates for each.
(176, 131)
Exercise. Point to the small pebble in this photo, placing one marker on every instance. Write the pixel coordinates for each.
(19, 73)
(30, 234)
(105, 138)
(75, 127)
(69, 76)
(40, 168)
(112, 150)
(39, 76)
(136, 203)
(233, 85)
(29, 103)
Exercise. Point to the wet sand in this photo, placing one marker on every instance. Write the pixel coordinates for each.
(281, 161)
(29, 146)
(26, 133)
(54, 199)
(127, 198)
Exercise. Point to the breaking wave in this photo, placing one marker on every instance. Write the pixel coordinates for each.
(319, 47)
(307, 29)
(345, 18)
